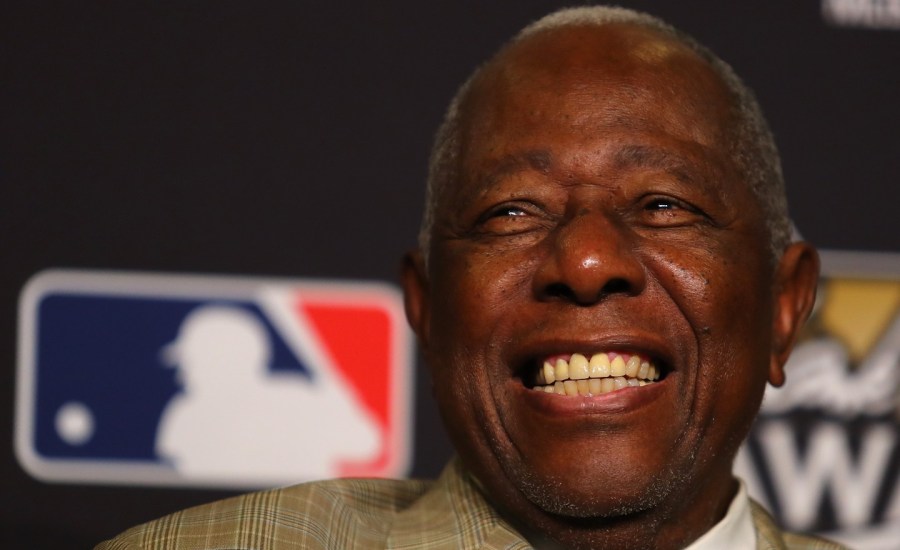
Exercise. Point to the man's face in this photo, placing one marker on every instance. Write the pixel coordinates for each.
(597, 212)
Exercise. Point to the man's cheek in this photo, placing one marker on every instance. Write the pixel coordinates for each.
(689, 280)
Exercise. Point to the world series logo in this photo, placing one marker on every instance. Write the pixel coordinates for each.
(824, 454)
(210, 380)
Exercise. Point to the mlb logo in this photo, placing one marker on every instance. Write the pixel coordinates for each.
(210, 380)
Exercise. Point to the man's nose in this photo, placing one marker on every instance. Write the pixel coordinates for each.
(592, 257)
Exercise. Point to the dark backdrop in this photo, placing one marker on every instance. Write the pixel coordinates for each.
(290, 139)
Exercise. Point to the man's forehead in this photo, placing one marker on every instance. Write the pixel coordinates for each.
(582, 76)
(625, 46)
(629, 61)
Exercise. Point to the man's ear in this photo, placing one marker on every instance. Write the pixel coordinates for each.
(414, 279)
(796, 279)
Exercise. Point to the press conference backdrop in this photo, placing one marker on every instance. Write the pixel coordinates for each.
(179, 174)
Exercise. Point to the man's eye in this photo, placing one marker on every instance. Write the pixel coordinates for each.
(670, 212)
(661, 204)
(511, 219)
(507, 212)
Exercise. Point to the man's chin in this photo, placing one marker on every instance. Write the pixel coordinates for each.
(586, 500)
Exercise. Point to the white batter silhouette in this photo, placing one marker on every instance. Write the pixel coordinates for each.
(238, 423)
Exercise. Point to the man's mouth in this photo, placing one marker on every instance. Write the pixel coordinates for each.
(596, 374)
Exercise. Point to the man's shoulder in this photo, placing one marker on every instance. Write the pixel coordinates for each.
(772, 537)
(309, 515)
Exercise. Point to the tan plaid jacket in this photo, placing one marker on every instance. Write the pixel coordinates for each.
(364, 513)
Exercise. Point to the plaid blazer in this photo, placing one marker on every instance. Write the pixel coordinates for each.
(447, 514)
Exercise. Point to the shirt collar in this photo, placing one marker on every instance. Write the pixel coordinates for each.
(734, 531)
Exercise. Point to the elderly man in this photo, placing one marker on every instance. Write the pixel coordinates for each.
(604, 286)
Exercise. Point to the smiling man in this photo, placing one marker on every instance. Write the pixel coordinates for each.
(604, 286)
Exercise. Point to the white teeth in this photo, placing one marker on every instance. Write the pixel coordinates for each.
(595, 376)
(607, 385)
(642, 372)
(583, 387)
(578, 367)
(562, 369)
(617, 366)
(632, 366)
(549, 373)
(599, 365)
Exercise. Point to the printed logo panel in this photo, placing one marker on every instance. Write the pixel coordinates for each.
(866, 14)
(824, 454)
(210, 381)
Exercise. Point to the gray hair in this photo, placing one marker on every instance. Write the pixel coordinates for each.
(753, 150)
